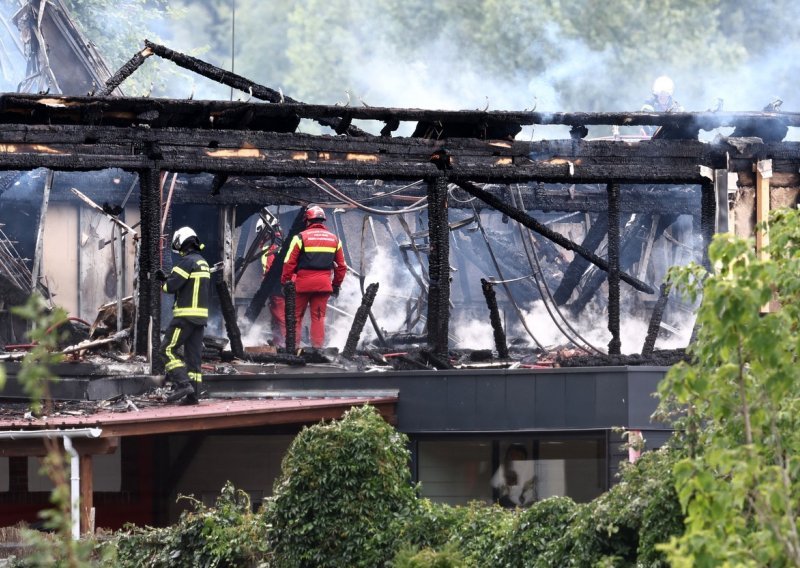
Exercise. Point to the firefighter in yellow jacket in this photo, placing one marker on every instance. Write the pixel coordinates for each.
(189, 281)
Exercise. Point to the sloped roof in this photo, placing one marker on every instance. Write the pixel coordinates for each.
(210, 415)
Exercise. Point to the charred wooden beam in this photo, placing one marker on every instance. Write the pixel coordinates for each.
(438, 265)
(229, 317)
(572, 276)
(360, 320)
(124, 72)
(148, 309)
(534, 225)
(708, 215)
(271, 283)
(286, 108)
(655, 320)
(494, 318)
(238, 82)
(630, 252)
(613, 273)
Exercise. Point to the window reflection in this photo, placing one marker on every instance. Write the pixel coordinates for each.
(514, 482)
(513, 471)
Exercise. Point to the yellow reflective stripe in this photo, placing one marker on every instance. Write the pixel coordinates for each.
(172, 361)
(199, 275)
(198, 312)
(202, 263)
(198, 377)
(173, 365)
(320, 249)
(180, 271)
(196, 291)
(164, 287)
(295, 241)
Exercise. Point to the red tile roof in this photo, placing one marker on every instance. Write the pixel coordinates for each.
(209, 415)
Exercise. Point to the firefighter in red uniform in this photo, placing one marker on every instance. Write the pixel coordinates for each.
(271, 247)
(312, 256)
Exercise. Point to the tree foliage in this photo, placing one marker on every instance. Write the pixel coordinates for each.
(227, 535)
(342, 489)
(738, 403)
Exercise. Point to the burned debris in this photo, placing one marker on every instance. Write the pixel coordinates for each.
(578, 234)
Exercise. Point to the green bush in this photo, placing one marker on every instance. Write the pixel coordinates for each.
(611, 529)
(343, 494)
(229, 535)
(535, 532)
(410, 557)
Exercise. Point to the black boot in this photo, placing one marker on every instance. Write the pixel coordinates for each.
(180, 390)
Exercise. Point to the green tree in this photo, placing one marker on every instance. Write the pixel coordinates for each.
(738, 405)
(343, 488)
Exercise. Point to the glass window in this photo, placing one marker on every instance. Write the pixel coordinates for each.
(455, 472)
(513, 471)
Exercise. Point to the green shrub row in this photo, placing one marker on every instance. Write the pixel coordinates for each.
(345, 498)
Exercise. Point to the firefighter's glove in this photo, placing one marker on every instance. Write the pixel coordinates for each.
(335, 292)
(161, 276)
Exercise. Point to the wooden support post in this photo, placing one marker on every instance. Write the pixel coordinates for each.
(118, 248)
(37, 255)
(438, 266)
(358, 322)
(494, 318)
(708, 220)
(614, 346)
(648, 247)
(723, 224)
(86, 490)
(763, 174)
(227, 218)
(148, 313)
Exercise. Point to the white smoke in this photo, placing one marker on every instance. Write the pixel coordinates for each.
(592, 326)
(396, 288)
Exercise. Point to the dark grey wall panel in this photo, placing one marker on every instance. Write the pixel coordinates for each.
(491, 400)
(642, 383)
(461, 403)
(581, 401)
(612, 398)
(551, 401)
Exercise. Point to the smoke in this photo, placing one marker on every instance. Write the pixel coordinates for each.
(396, 288)
(592, 325)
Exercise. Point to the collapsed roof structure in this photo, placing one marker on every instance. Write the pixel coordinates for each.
(434, 204)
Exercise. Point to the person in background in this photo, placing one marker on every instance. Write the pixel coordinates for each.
(514, 480)
(269, 224)
(315, 263)
(661, 100)
(189, 281)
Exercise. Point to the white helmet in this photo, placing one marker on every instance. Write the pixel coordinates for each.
(181, 236)
(663, 85)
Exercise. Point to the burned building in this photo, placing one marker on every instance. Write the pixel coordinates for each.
(550, 249)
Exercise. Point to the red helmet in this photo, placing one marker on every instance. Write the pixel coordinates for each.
(315, 213)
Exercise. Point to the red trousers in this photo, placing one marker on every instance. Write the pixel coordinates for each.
(318, 303)
(277, 309)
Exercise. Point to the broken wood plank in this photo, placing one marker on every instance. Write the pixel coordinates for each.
(38, 251)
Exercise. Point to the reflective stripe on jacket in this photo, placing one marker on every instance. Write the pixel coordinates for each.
(189, 281)
(311, 257)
